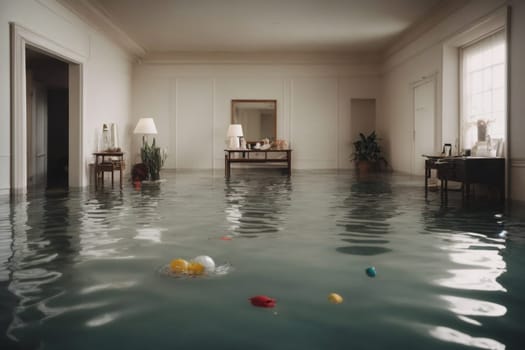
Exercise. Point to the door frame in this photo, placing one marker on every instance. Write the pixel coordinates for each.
(432, 78)
(21, 38)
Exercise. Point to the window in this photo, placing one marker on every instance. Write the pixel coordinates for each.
(483, 95)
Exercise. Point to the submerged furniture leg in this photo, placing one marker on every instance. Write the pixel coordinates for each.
(96, 172)
(289, 157)
(227, 165)
(427, 175)
(120, 171)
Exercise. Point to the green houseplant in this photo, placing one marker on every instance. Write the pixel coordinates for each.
(153, 158)
(367, 152)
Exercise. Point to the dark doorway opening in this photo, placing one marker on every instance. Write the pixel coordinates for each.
(47, 88)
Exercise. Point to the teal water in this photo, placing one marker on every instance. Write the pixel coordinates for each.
(80, 270)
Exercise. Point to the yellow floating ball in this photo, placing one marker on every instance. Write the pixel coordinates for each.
(179, 266)
(194, 268)
(335, 298)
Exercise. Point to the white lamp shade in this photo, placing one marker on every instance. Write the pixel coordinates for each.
(234, 130)
(145, 126)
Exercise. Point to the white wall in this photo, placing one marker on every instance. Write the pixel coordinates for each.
(517, 102)
(107, 72)
(424, 56)
(395, 116)
(191, 105)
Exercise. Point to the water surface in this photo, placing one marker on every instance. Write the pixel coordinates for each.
(80, 270)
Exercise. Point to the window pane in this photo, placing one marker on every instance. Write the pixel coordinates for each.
(483, 85)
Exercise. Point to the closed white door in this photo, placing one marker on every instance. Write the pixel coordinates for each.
(424, 123)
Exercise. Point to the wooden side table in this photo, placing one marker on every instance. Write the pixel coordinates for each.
(105, 162)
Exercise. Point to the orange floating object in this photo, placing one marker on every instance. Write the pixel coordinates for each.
(194, 268)
(179, 266)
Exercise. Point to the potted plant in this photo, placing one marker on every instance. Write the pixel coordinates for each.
(153, 158)
(367, 152)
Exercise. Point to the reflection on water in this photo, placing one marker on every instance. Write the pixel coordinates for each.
(368, 207)
(454, 336)
(474, 247)
(43, 250)
(256, 205)
(79, 269)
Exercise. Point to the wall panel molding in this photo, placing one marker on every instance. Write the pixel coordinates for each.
(517, 162)
(311, 109)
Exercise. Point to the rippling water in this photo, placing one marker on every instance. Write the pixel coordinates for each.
(80, 270)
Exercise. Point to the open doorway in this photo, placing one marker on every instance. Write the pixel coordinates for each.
(363, 117)
(47, 106)
(24, 42)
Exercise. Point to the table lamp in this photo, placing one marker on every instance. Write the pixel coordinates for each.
(145, 126)
(234, 133)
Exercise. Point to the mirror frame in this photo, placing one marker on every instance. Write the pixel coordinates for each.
(255, 100)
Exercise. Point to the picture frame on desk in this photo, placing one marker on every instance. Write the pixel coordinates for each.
(447, 149)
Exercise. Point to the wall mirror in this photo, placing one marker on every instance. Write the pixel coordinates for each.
(257, 117)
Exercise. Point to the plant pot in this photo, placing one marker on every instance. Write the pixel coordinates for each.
(154, 176)
(363, 167)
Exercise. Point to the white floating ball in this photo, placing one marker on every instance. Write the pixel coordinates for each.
(206, 261)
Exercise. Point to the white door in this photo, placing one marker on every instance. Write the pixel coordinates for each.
(37, 136)
(424, 123)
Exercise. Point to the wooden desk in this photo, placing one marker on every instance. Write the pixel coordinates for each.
(471, 170)
(108, 165)
(250, 156)
(430, 163)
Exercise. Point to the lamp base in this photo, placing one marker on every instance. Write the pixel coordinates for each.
(233, 143)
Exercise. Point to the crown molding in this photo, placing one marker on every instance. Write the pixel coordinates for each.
(93, 14)
(434, 16)
(297, 58)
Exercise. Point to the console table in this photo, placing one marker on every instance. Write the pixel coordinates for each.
(251, 156)
(471, 170)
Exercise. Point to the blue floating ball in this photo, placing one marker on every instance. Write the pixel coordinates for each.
(371, 271)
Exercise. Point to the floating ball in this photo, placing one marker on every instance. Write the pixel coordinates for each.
(371, 271)
(194, 268)
(335, 298)
(179, 266)
(206, 261)
(263, 301)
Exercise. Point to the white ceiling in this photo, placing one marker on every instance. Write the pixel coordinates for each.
(265, 25)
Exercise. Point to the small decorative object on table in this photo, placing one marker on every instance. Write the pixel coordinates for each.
(106, 138)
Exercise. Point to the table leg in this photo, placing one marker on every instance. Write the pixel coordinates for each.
(426, 179)
(442, 187)
(120, 171)
(227, 166)
(96, 172)
(289, 157)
